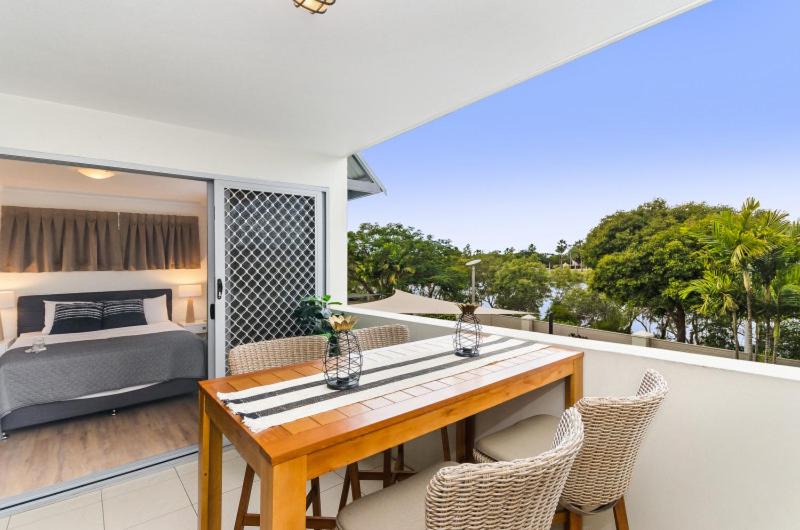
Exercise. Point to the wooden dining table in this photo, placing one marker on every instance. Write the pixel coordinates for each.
(285, 456)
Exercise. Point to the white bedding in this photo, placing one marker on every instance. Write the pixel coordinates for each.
(26, 339)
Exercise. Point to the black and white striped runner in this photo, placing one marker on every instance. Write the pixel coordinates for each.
(385, 370)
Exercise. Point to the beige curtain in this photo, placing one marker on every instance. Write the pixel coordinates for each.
(152, 241)
(49, 240)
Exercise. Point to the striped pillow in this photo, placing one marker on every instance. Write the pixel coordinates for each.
(123, 313)
(77, 317)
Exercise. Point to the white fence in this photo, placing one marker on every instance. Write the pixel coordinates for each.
(566, 330)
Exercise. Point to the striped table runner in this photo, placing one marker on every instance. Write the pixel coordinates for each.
(385, 370)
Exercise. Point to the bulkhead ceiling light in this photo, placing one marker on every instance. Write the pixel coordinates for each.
(94, 173)
(315, 7)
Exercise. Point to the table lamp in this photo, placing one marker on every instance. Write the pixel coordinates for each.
(190, 291)
(6, 302)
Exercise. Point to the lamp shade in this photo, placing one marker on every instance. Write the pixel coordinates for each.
(188, 291)
(6, 299)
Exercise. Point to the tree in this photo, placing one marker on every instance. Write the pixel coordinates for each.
(652, 275)
(561, 247)
(384, 258)
(719, 295)
(522, 284)
(576, 253)
(738, 239)
(583, 307)
(789, 346)
(562, 280)
(783, 296)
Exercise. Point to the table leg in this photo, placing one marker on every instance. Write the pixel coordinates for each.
(573, 390)
(465, 439)
(283, 495)
(210, 472)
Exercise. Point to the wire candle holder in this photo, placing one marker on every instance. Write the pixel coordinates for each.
(343, 359)
(467, 337)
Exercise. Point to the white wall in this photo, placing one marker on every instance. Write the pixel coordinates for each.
(721, 454)
(87, 281)
(51, 128)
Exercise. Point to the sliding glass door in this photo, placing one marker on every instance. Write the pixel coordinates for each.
(269, 253)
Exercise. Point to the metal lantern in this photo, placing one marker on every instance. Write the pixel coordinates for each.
(343, 359)
(315, 7)
(467, 338)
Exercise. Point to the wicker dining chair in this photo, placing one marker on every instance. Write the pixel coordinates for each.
(518, 495)
(615, 428)
(248, 358)
(370, 339)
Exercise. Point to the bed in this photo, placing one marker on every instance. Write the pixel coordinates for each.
(84, 373)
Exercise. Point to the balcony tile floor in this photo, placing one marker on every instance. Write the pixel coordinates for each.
(166, 499)
(162, 500)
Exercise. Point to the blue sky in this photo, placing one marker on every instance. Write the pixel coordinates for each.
(703, 107)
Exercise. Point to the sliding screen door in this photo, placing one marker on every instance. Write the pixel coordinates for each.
(269, 254)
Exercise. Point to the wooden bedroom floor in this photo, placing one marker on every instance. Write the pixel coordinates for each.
(47, 455)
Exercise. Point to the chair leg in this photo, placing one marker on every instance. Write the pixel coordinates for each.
(244, 498)
(575, 521)
(445, 444)
(621, 515)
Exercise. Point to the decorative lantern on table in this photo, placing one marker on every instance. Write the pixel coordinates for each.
(343, 359)
(467, 338)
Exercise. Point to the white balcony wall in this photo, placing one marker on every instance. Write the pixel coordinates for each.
(720, 455)
(58, 131)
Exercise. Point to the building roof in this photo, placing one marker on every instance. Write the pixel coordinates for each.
(361, 181)
(413, 304)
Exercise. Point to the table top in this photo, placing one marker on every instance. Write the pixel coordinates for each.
(484, 386)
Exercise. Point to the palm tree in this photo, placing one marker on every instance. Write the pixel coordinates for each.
(784, 293)
(740, 238)
(718, 294)
(561, 247)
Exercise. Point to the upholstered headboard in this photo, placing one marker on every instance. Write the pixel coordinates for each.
(30, 309)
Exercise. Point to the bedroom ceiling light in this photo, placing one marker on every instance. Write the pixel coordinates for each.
(315, 7)
(94, 173)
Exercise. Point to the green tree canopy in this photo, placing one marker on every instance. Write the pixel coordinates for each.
(522, 284)
(394, 256)
(646, 257)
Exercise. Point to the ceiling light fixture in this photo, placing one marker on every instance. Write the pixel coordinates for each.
(315, 7)
(94, 173)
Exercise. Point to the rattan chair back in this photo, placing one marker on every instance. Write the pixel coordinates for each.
(517, 495)
(614, 431)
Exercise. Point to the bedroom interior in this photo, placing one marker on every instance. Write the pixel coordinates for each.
(102, 306)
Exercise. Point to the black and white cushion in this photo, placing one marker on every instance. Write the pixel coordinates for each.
(77, 317)
(123, 313)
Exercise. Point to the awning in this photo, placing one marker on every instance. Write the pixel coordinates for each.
(412, 304)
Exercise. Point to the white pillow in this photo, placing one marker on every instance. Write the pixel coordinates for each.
(155, 309)
(50, 313)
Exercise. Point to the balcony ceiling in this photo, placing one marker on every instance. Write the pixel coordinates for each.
(261, 69)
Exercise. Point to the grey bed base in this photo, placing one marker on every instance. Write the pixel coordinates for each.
(38, 414)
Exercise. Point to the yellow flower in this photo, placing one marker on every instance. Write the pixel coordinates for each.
(342, 323)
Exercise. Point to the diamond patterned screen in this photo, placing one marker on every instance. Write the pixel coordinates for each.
(270, 263)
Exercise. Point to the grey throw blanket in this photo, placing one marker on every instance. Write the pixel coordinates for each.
(73, 369)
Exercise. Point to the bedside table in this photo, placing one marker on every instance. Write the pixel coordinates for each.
(199, 328)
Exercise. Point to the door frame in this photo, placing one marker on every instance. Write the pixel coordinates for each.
(216, 207)
(90, 482)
